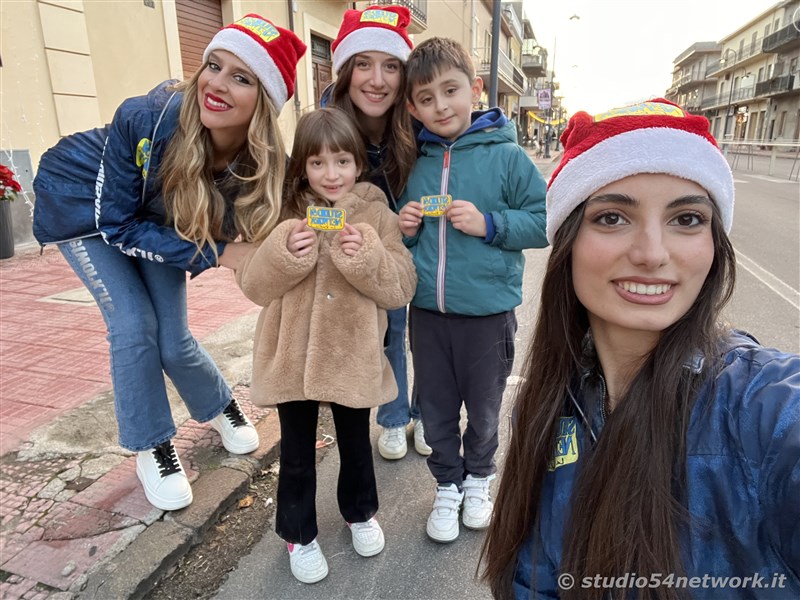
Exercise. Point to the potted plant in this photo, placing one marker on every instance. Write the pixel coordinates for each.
(9, 188)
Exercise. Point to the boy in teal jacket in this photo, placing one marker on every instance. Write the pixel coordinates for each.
(472, 204)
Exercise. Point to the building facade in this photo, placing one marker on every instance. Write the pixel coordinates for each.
(750, 88)
(66, 65)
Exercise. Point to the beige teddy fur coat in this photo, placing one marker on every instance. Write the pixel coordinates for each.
(320, 334)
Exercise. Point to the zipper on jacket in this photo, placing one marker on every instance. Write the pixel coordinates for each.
(441, 267)
(603, 400)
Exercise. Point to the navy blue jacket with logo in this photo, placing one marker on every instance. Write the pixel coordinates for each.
(743, 482)
(105, 182)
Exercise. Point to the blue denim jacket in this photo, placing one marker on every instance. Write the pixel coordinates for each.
(105, 182)
(743, 482)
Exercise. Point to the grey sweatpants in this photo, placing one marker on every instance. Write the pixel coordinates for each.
(461, 360)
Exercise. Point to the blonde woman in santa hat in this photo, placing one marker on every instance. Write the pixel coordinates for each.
(183, 179)
(369, 56)
(650, 443)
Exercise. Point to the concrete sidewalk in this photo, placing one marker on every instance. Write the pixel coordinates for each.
(73, 511)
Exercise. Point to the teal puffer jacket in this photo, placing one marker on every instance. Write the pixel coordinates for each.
(463, 274)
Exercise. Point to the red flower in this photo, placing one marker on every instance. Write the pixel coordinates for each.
(9, 187)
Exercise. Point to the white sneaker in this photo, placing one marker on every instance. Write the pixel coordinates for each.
(163, 478)
(392, 443)
(368, 537)
(307, 562)
(419, 439)
(443, 520)
(238, 434)
(478, 505)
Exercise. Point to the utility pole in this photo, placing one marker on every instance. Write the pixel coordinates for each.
(496, 6)
(549, 126)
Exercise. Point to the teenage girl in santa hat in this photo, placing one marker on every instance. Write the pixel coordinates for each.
(169, 186)
(369, 56)
(649, 442)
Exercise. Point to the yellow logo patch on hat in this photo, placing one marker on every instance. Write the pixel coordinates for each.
(143, 155)
(266, 31)
(645, 108)
(375, 15)
(566, 451)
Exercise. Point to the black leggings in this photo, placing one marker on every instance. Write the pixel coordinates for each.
(357, 494)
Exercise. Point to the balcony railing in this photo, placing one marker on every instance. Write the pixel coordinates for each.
(418, 10)
(725, 98)
(750, 50)
(788, 35)
(507, 69)
(776, 85)
(532, 65)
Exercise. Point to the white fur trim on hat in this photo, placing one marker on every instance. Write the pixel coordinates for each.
(370, 39)
(645, 150)
(257, 59)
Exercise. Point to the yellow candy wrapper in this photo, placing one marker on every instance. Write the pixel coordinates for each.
(323, 218)
(434, 206)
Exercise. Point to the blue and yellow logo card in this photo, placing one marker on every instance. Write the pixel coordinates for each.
(434, 206)
(323, 218)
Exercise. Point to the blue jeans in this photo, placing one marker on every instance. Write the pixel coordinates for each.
(398, 413)
(144, 306)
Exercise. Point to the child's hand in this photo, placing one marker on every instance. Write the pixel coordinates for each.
(301, 239)
(466, 218)
(410, 219)
(351, 240)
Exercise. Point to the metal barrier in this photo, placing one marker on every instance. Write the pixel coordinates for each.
(747, 150)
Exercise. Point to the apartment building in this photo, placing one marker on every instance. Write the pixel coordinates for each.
(690, 87)
(66, 65)
(750, 90)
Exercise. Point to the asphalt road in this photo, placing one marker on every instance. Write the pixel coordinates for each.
(766, 236)
(766, 303)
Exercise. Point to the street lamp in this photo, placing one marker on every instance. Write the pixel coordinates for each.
(549, 126)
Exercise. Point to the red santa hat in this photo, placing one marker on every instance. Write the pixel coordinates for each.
(374, 29)
(652, 137)
(269, 51)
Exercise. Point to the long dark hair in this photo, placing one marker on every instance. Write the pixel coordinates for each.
(401, 149)
(626, 513)
(324, 128)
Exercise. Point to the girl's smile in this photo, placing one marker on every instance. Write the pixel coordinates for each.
(332, 174)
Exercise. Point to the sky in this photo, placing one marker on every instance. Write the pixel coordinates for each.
(619, 52)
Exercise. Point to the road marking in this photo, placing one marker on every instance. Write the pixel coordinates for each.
(772, 179)
(787, 292)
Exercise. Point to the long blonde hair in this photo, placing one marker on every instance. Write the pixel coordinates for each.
(194, 206)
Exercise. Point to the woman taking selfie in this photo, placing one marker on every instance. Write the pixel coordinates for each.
(650, 443)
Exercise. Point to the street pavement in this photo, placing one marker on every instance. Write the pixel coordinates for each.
(75, 522)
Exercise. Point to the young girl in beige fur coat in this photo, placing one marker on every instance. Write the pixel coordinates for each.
(320, 334)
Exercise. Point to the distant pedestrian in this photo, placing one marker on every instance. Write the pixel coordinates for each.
(183, 179)
(369, 56)
(473, 202)
(653, 449)
(320, 335)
